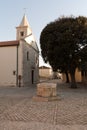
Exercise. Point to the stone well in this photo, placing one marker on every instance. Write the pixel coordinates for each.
(46, 92)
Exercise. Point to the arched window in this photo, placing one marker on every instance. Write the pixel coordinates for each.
(22, 33)
(27, 55)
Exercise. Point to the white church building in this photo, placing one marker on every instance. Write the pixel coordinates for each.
(19, 59)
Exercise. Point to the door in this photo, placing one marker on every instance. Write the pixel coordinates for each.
(32, 76)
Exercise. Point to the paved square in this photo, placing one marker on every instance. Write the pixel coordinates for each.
(19, 112)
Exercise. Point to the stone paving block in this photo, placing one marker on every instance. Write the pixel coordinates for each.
(19, 112)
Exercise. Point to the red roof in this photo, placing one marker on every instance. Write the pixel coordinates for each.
(9, 43)
(44, 67)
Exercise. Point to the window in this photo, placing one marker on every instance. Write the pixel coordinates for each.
(14, 72)
(22, 34)
(36, 60)
(27, 55)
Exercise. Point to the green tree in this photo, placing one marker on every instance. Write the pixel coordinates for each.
(61, 44)
(83, 65)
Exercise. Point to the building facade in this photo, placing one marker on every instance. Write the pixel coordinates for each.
(45, 72)
(78, 76)
(19, 58)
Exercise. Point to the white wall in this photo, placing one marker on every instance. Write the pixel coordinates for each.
(8, 65)
(29, 65)
(20, 58)
(45, 73)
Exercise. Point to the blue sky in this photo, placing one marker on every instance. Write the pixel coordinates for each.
(38, 12)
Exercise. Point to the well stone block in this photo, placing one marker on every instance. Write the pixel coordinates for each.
(46, 90)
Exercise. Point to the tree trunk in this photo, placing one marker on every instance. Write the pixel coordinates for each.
(73, 81)
(54, 74)
(67, 77)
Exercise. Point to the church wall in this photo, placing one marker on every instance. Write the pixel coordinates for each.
(8, 66)
(29, 65)
(20, 63)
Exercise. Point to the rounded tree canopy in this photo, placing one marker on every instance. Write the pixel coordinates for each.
(62, 41)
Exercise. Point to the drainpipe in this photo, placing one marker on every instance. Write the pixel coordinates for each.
(17, 69)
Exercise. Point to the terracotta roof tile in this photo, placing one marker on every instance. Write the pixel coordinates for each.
(44, 67)
(9, 43)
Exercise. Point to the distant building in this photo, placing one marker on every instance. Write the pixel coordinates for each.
(19, 59)
(80, 76)
(45, 72)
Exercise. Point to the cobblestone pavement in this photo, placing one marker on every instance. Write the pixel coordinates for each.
(18, 111)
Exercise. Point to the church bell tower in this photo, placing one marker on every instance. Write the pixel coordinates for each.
(23, 30)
